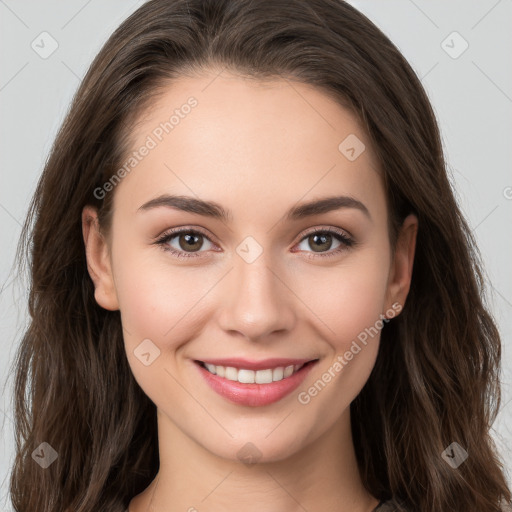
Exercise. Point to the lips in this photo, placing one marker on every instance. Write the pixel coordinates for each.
(254, 383)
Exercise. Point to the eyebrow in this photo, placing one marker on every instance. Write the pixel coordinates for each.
(216, 211)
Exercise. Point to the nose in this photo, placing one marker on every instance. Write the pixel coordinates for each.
(256, 301)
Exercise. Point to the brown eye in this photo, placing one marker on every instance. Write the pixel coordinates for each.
(188, 241)
(320, 242)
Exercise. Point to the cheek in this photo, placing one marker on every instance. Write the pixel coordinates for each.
(145, 296)
(348, 299)
(160, 309)
(349, 305)
(162, 302)
(151, 299)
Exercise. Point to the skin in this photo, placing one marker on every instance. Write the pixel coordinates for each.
(256, 148)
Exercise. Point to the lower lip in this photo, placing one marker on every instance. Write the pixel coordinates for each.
(254, 395)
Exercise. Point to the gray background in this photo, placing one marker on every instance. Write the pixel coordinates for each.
(471, 92)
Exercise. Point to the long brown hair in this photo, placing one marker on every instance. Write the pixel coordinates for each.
(436, 378)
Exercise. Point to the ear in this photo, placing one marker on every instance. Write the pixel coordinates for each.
(400, 276)
(98, 260)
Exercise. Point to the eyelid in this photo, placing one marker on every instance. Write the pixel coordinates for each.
(329, 229)
(347, 240)
(184, 229)
(163, 238)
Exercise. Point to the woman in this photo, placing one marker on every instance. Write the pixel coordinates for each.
(252, 287)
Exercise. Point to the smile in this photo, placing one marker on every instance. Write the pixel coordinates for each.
(263, 384)
(246, 376)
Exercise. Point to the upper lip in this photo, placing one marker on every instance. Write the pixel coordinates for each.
(263, 364)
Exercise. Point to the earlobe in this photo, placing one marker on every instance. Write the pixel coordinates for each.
(402, 266)
(98, 260)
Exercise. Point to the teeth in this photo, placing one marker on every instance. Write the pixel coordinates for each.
(211, 368)
(246, 376)
(277, 374)
(288, 371)
(231, 373)
(263, 377)
(253, 376)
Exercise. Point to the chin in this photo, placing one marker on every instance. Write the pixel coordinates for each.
(258, 449)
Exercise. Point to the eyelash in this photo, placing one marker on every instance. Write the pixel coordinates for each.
(346, 242)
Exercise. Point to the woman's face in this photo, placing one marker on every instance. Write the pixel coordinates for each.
(263, 282)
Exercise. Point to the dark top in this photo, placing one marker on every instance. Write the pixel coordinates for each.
(386, 506)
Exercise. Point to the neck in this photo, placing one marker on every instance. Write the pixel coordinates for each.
(323, 475)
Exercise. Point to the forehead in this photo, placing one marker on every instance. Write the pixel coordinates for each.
(216, 135)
